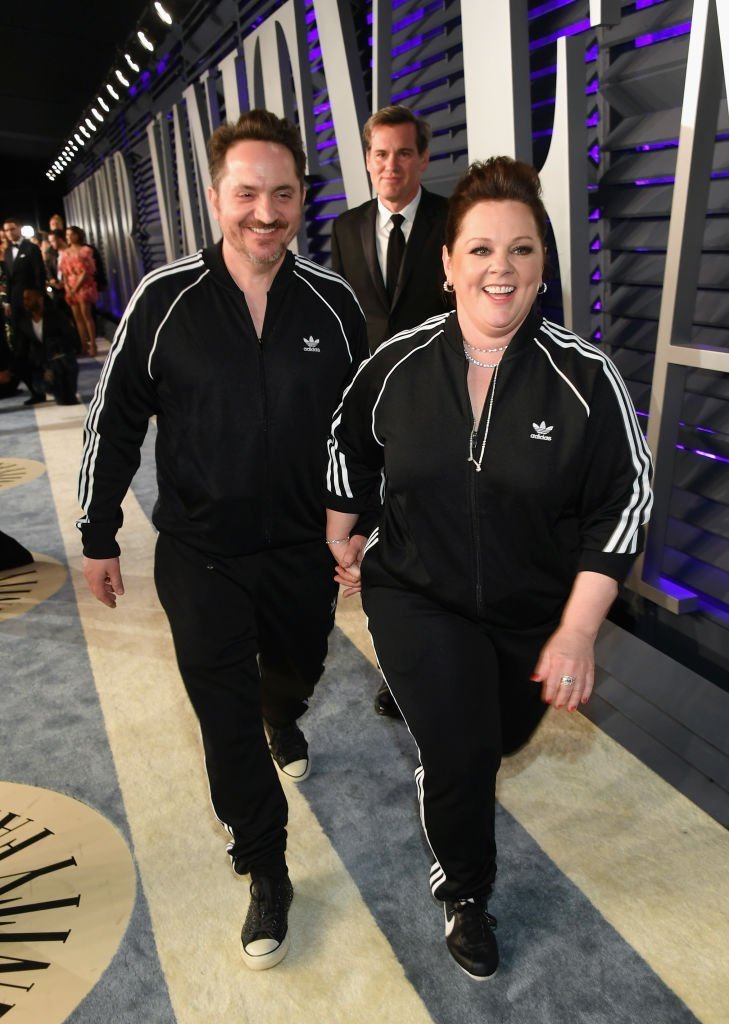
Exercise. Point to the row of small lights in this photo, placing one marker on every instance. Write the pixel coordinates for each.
(87, 126)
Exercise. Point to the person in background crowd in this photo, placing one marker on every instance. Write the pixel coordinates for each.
(45, 330)
(389, 248)
(56, 223)
(76, 265)
(517, 486)
(242, 351)
(24, 268)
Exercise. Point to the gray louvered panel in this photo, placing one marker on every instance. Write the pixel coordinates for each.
(709, 383)
(655, 200)
(653, 234)
(712, 308)
(697, 575)
(648, 269)
(700, 511)
(713, 413)
(647, 79)
(703, 477)
(659, 163)
(638, 334)
(662, 126)
(700, 544)
(625, 300)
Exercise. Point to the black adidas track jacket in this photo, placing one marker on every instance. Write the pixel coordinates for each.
(241, 423)
(564, 484)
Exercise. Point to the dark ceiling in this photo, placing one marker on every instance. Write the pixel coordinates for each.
(55, 57)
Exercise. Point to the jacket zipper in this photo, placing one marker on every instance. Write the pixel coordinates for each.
(267, 502)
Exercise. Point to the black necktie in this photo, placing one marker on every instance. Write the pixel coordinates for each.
(395, 249)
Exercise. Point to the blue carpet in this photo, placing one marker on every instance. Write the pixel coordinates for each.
(561, 961)
(53, 732)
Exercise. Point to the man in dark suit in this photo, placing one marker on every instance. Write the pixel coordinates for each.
(23, 269)
(47, 343)
(394, 264)
(390, 248)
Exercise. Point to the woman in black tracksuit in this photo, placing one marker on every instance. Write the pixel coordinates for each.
(515, 489)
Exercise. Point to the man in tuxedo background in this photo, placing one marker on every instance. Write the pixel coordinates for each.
(390, 248)
(23, 269)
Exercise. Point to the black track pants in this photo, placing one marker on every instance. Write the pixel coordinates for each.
(250, 635)
(465, 693)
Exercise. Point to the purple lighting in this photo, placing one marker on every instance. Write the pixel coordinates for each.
(595, 215)
(547, 8)
(570, 30)
(595, 245)
(596, 275)
(664, 33)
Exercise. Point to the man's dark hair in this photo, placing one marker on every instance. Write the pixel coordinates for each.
(57, 233)
(394, 115)
(258, 126)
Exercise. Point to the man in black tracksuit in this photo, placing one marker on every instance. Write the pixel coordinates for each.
(241, 351)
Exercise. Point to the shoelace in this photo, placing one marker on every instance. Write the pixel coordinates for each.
(270, 906)
(478, 908)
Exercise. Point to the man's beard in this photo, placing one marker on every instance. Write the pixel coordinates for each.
(270, 258)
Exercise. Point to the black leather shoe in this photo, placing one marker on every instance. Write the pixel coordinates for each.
(385, 703)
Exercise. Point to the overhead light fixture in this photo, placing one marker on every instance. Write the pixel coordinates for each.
(78, 139)
(112, 91)
(90, 124)
(85, 131)
(145, 41)
(121, 78)
(103, 104)
(164, 15)
(97, 115)
(130, 62)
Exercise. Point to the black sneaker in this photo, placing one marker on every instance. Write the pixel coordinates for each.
(265, 934)
(290, 751)
(469, 931)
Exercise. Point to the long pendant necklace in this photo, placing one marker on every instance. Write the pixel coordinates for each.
(472, 441)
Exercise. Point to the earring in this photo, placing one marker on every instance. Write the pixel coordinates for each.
(542, 288)
(448, 288)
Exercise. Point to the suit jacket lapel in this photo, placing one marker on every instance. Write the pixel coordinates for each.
(419, 234)
(368, 228)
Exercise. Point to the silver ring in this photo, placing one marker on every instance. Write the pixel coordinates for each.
(567, 680)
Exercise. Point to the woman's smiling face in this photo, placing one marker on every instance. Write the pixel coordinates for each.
(495, 266)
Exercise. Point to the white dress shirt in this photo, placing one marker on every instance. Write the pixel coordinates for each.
(384, 227)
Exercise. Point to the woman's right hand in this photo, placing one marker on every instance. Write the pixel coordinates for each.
(349, 558)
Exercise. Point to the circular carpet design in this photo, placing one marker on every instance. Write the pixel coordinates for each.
(14, 472)
(26, 586)
(67, 888)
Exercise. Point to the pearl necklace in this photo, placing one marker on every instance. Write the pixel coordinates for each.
(477, 362)
(477, 463)
(499, 348)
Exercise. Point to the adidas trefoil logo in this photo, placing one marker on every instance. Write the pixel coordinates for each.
(311, 344)
(541, 431)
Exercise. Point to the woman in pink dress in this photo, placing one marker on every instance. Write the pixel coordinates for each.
(76, 264)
